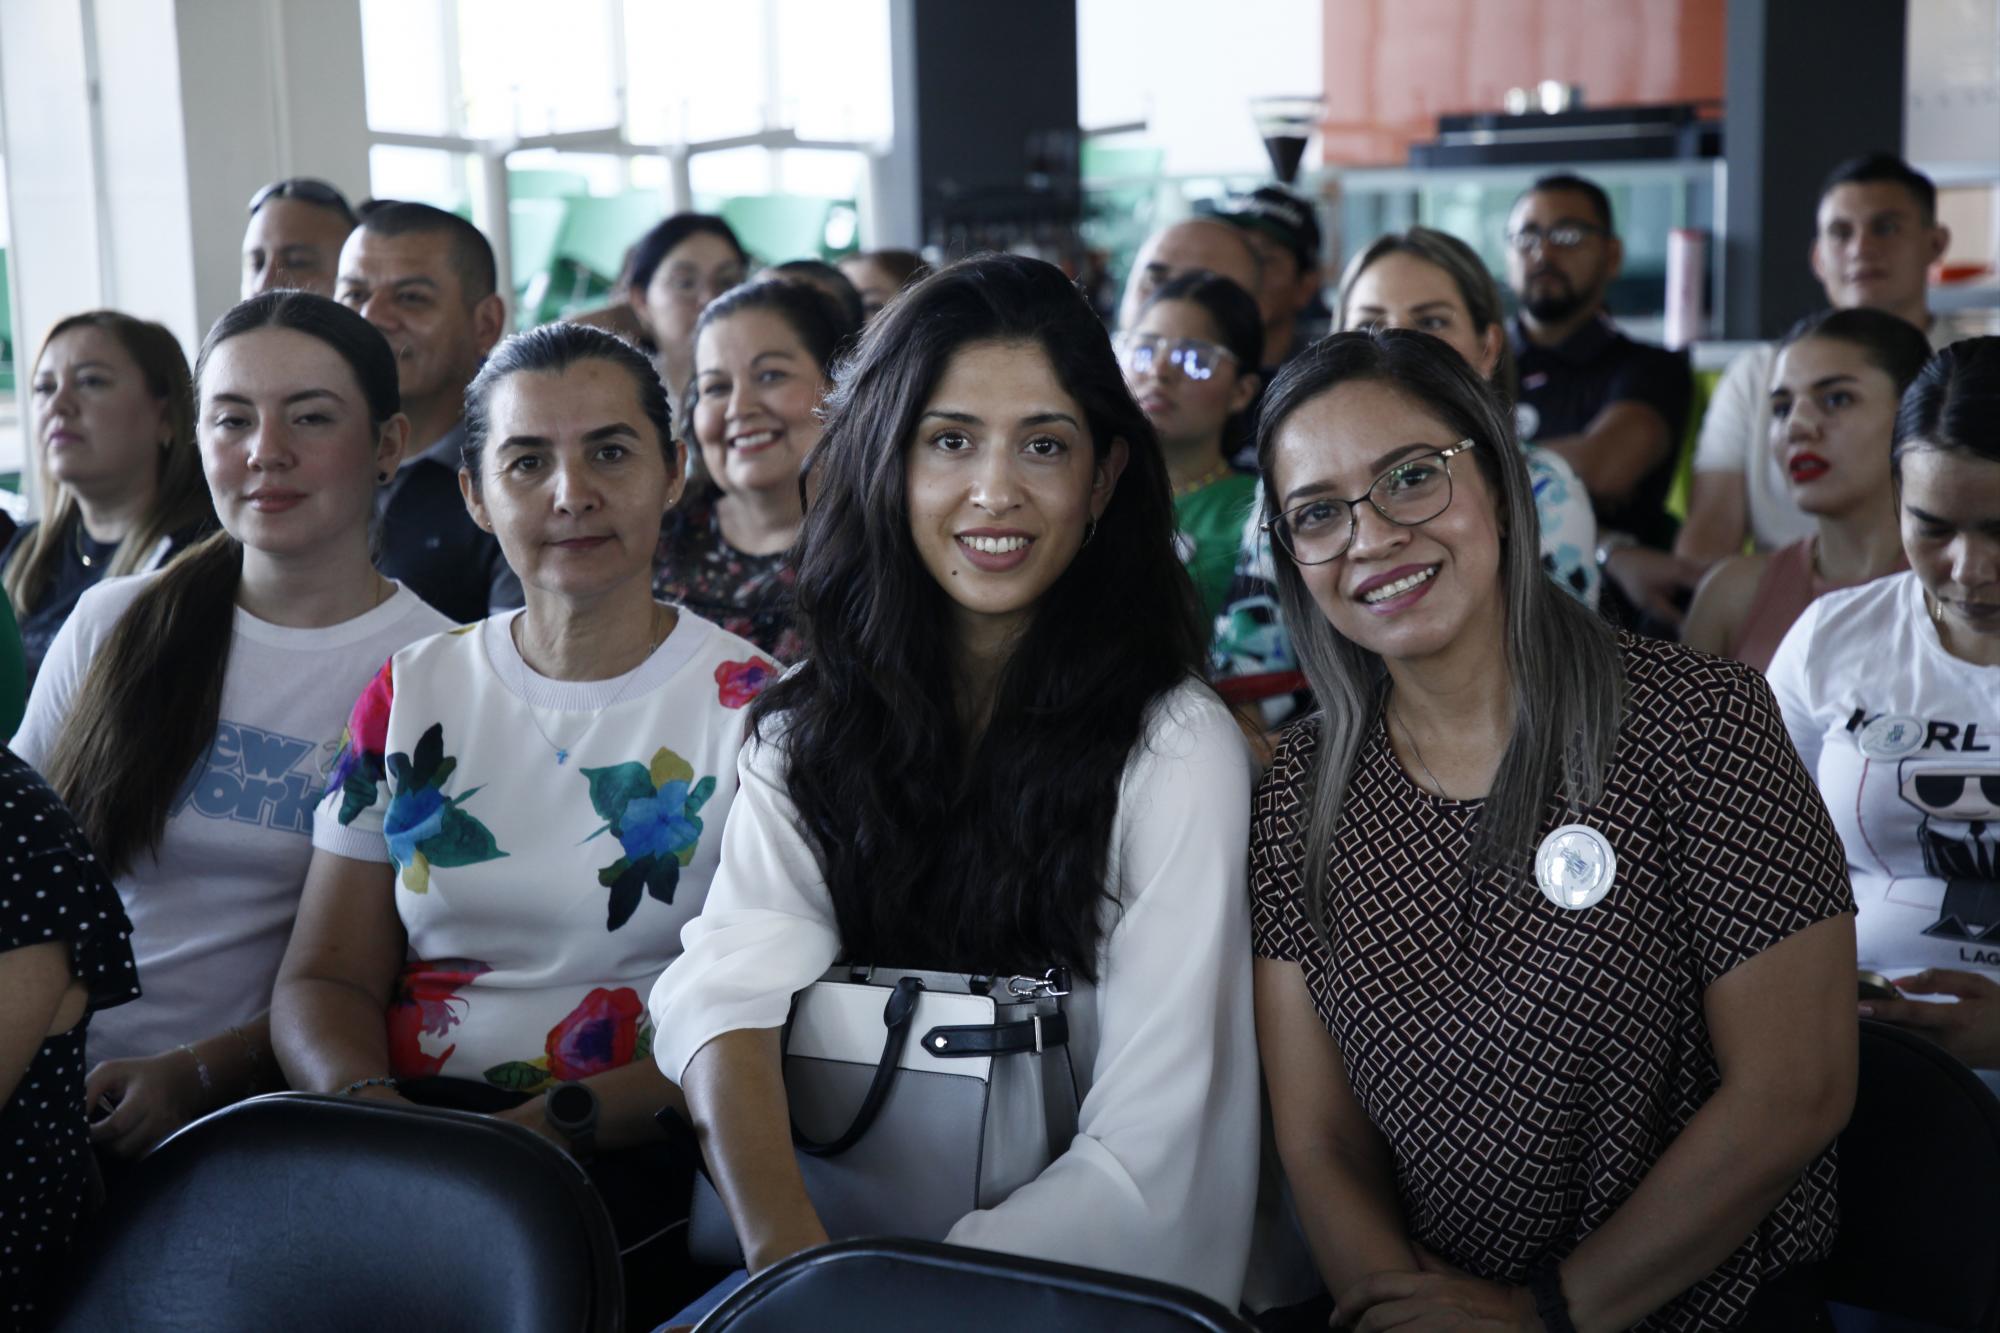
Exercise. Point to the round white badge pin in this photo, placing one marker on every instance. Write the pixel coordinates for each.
(1575, 867)
(1891, 736)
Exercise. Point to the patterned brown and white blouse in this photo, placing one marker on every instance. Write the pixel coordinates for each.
(1527, 1064)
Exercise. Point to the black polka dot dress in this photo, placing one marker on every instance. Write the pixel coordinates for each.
(51, 889)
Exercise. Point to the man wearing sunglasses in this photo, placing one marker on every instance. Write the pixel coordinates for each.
(1614, 408)
(297, 227)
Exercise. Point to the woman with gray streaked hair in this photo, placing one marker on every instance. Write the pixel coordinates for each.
(1556, 947)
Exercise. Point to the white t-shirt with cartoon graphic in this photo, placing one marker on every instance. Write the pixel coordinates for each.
(1904, 740)
(549, 837)
(212, 909)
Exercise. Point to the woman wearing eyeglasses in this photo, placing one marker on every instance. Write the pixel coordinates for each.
(1190, 359)
(673, 273)
(1555, 945)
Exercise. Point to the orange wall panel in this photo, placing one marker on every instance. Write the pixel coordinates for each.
(1393, 66)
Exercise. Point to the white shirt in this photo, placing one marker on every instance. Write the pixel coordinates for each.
(541, 899)
(1919, 813)
(212, 908)
(1736, 438)
(1161, 1177)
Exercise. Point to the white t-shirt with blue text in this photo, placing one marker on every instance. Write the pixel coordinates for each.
(212, 909)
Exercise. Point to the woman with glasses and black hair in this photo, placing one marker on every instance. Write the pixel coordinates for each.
(1891, 691)
(672, 274)
(1191, 360)
(995, 757)
(1557, 1025)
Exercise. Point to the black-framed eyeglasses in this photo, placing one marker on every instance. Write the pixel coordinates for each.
(304, 188)
(1196, 358)
(1562, 236)
(1414, 491)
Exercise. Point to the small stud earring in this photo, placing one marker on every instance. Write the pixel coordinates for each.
(381, 478)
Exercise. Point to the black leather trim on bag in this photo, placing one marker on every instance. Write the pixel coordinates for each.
(896, 1015)
(1035, 1035)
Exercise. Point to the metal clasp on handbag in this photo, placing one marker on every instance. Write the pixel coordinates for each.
(1052, 984)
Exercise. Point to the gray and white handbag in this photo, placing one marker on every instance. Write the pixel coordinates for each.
(916, 1098)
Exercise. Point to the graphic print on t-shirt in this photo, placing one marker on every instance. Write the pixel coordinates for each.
(254, 776)
(1958, 831)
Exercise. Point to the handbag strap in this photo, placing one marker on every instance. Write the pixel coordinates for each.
(1033, 1034)
(896, 1016)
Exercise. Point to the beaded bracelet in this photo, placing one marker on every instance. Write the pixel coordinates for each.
(200, 1067)
(360, 1083)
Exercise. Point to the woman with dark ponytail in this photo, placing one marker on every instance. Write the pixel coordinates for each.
(188, 717)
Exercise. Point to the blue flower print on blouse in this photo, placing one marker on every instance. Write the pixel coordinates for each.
(653, 811)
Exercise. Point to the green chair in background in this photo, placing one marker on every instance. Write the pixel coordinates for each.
(6, 327)
(534, 231)
(778, 227)
(578, 266)
(537, 183)
(1677, 494)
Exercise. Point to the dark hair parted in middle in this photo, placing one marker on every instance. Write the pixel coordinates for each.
(652, 249)
(550, 350)
(1891, 344)
(984, 852)
(1562, 661)
(1954, 403)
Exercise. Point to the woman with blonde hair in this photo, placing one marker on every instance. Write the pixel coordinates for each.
(120, 475)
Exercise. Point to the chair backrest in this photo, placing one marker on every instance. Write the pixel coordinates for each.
(1919, 1187)
(312, 1213)
(893, 1286)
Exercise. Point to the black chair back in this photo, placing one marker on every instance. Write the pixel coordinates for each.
(915, 1286)
(315, 1214)
(1919, 1188)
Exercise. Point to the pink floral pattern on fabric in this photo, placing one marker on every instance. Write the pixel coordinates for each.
(607, 1030)
(427, 1003)
(740, 682)
(359, 768)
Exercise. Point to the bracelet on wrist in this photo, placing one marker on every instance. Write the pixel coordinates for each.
(1551, 1306)
(358, 1084)
(200, 1069)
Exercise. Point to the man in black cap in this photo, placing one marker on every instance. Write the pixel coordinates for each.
(1282, 229)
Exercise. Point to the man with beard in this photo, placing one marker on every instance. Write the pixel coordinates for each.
(1615, 409)
(425, 278)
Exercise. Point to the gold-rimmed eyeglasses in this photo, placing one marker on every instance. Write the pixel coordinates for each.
(1416, 490)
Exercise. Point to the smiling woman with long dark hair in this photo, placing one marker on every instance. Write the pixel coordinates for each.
(996, 757)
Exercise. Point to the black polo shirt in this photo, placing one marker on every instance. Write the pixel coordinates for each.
(428, 542)
(1564, 387)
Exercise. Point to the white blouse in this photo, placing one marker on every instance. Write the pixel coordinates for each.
(1161, 1178)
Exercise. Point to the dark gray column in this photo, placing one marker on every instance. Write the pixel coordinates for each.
(1808, 84)
(985, 104)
